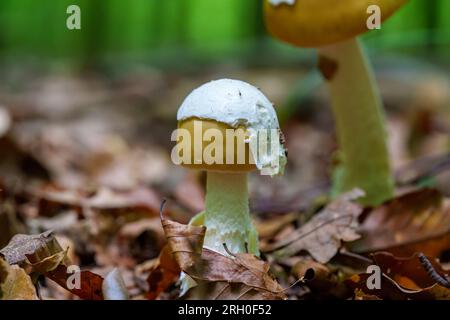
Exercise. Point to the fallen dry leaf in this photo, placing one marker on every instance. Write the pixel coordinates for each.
(403, 278)
(24, 247)
(163, 274)
(240, 276)
(138, 200)
(268, 228)
(323, 234)
(90, 283)
(401, 269)
(53, 200)
(418, 221)
(45, 255)
(361, 295)
(113, 287)
(140, 240)
(311, 271)
(15, 283)
(185, 242)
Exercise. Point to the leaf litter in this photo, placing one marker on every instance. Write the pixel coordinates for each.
(91, 170)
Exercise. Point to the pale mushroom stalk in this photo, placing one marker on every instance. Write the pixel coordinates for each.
(359, 116)
(227, 214)
(332, 27)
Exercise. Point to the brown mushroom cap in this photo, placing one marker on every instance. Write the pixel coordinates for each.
(314, 23)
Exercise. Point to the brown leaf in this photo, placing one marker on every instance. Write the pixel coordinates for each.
(90, 283)
(323, 234)
(185, 241)
(242, 268)
(3, 271)
(361, 295)
(311, 271)
(268, 228)
(53, 200)
(415, 222)
(401, 269)
(389, 289)
(45, 255)
(402, 278)
(138, 200)
(15, 283)
(31, 249)
(164, 273)
(112, 222)
(140, 240)
(241, 276)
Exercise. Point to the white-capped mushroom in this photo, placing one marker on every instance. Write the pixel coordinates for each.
(223, 107)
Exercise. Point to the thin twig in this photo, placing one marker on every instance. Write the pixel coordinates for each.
(303, 235)
(432, 271)
(161, 209)
(356, 256)
(439, 165)
(228, 250)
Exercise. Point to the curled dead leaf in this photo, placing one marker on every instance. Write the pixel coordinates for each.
(185, 242)
(45, 255)
(311, 271)
(241, 276)
(142, 200)
(163, 274)
(35, 250)
(15, 283)
(402, 279)
(409, 272)
(90, 284)
(418, 221)
(323, 234)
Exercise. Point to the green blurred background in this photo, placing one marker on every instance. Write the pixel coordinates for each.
(185, 33)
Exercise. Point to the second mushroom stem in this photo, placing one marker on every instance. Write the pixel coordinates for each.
(360, 122)
(227, 215)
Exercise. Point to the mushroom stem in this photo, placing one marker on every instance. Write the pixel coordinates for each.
(227, 217)
(361, 132)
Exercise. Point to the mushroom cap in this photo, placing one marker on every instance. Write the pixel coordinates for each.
(246, 165)
(315, 23)
(234, 104)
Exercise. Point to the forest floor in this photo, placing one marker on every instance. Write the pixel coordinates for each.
(88, 158)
